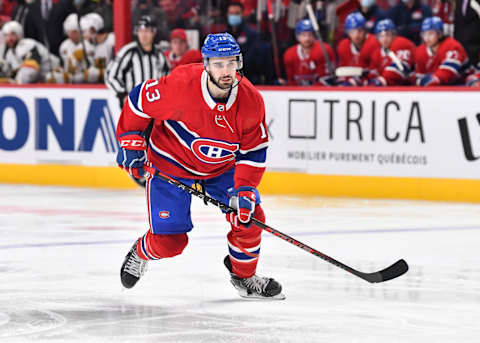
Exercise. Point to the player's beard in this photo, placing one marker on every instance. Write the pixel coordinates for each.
(224, 82)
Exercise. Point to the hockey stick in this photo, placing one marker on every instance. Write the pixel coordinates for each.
(276, 58)
(395, 270)
(316, 28)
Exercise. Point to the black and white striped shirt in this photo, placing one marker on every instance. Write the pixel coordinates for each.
(133, 65)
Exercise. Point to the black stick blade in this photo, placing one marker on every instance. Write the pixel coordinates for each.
(395, 270)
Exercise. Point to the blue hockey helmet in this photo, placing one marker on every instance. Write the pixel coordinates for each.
(221, 45)
(304, 25)
(384, 25)
(432, 24)
(354, 21)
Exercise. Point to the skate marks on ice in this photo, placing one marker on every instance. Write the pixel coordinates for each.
(102, 319)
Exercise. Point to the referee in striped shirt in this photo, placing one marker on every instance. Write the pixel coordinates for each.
(137, 61)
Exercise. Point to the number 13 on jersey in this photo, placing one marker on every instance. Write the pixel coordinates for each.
(151, 97)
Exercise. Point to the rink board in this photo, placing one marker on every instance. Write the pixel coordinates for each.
(396, 143)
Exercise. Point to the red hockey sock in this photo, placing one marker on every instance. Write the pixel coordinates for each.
(154, 247)
(244, 246)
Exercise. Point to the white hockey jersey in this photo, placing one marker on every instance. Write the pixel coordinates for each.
(29, 49)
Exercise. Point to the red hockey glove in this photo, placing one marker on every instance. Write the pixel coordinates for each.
(132, 155)
(243, 199)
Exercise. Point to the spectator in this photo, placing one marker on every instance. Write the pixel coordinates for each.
(306, 63)
(179, 52)
(103, 43)
(392, 63)
(467, 26)
(158, 16)
(440, 60)
(26, 60)
(181, 13)
(407, 16)
(372, 14)
(356, 50)
(256, 53)
(105, 9)
(6, 8)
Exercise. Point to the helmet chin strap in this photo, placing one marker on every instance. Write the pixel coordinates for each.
(212, 79)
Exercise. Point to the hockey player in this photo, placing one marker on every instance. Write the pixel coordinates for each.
(392, 63)
(179, 52)
(440, 60)
(357, 49)
(103, 45)
(209, 130)
(474, 79)
(305, 62)
(27, 61)
(74, 53)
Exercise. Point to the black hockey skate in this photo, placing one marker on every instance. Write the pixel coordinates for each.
(133, 268)
(255, 287)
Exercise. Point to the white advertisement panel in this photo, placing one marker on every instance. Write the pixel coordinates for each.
(385, 133)
(58, 126)
(432, 134)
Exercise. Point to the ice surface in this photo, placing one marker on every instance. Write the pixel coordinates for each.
(61, 250)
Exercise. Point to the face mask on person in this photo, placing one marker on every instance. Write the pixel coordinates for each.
(234, 19)
(78, 3)
(367, 3)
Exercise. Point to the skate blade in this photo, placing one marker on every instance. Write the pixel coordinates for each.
(245, 295)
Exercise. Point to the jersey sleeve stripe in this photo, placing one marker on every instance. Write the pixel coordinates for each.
(258, 156)
(252, 164)
(258, 147)
(449, 68)
(133, 98)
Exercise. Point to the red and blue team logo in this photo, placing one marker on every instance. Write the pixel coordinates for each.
(210, 151)
(164, 214)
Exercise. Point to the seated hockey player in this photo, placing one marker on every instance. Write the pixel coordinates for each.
(474, 79)
(92, 26)
(74, 52)
(440, 60)
(209, 130)
(356, 50)
(392, 63)
(28, 61)
(305, 63)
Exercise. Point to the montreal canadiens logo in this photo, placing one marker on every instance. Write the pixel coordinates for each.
(210, 151)
(164, 214)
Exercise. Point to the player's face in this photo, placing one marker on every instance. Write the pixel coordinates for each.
(179, 46)
(145, 36)
(430, 38)
(11, 39)
(223, 70)
(357, 36)
(306, 39)
(74, 35)
(385, 39)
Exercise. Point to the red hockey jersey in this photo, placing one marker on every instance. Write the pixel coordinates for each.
(195, 137)
(191, 56)
(389, 72)
(311, 69)
(350, 56)
(448, 65)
